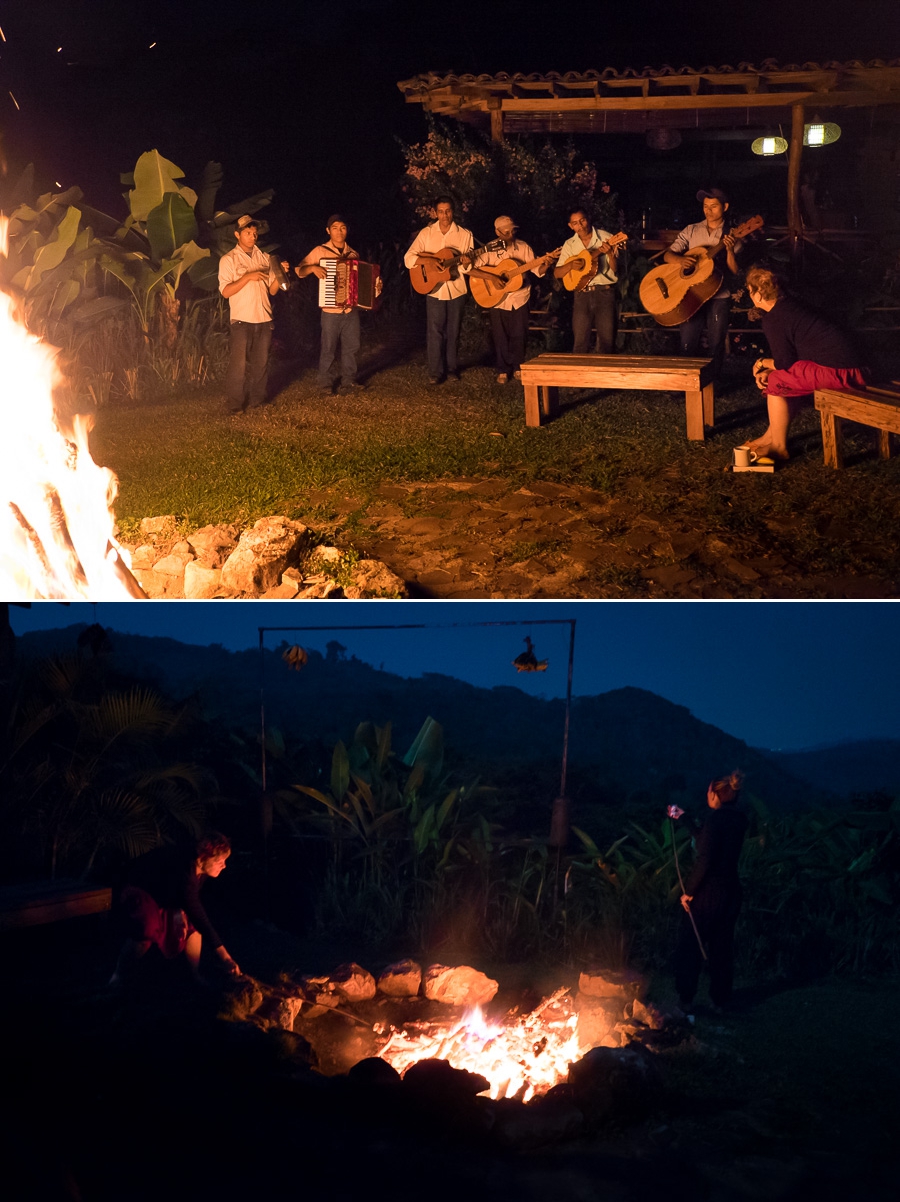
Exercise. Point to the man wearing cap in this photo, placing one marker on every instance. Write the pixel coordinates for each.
(444, 306)
(248, 282)
(710, 232)
(340, 326)
(509, 317)
(594, 306)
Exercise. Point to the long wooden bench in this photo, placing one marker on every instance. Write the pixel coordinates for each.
(543, 376)
(50, 901)
(877, 407)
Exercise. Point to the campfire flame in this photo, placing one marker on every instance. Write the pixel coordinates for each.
(521, 1058)
(56, 529)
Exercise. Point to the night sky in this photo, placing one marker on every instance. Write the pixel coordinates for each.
(302, 96)
(781, 675)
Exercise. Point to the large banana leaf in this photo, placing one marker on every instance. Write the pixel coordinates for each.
(154, 176)
(204, 273)
(171, 225)
(210, 182)
(427, 751)
(340, 772)
(52, 253)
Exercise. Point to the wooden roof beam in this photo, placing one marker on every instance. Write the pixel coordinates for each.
(760, 100)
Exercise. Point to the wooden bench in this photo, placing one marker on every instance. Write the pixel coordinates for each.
(50, 901)
(543, 376)
(877, 407)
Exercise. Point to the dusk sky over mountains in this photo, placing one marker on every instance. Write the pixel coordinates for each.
(783, 675)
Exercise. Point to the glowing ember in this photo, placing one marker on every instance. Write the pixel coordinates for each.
(522, 1058)
(56, 528)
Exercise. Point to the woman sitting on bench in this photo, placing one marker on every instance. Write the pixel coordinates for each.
(808, 352)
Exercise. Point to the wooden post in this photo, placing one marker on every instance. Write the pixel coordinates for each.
(795, 150)
(495, 108)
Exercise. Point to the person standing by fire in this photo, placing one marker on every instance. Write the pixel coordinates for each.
(712, 897)
(248, 282)
(160, 904)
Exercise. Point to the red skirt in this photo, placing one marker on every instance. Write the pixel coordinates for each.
(147, 920)
(804, 377)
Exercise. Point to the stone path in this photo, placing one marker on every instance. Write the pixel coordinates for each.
(471, 538)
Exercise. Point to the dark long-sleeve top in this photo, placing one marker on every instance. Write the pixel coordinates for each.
(169, 875)
(718, 843)
(794, 332)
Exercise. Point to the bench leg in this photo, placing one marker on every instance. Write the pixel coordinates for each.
(532, 405)
(550, 400)
(831, 440)
(709, 405)
(693, 403)
(885, 446)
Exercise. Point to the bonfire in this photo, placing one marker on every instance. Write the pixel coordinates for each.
(57, 536)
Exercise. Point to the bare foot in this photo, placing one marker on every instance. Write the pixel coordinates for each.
(764, 447)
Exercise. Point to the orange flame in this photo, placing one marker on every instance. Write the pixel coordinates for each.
(56, 529)
(522, 1058)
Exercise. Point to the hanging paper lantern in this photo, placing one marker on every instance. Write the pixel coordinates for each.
(820, 133)
(663, 139)
(769, 145)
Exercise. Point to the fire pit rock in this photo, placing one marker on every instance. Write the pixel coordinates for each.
(458, 986)
(619, 984)
(275, 558)
(547, 1120)
(403, 979)
(624, 1083)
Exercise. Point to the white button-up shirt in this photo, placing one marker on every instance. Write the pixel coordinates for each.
(253, 302)
(431, 239)
(605, 276)
(523, 253)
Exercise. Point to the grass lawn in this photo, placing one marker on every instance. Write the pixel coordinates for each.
(609, 500)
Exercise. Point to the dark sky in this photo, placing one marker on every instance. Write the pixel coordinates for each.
(302, 96)
(781, 675)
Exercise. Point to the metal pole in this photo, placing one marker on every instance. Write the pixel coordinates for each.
(795, 152)
(565, 752)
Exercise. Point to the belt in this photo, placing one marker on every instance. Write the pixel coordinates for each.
(596, 287)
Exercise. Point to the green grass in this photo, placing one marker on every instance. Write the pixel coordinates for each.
(300, 455)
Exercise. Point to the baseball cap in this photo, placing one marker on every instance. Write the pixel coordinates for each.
(243, 222)
(712, 194)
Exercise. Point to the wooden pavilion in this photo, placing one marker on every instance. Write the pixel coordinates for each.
(633, 101)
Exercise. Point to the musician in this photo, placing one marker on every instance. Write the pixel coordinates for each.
(444, 306)
(509, 317)
(340, 325)
(595, 304)
(808, 352)
(248, 282)
(710, 232)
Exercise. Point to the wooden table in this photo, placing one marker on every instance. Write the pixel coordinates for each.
(50, 901)
(543, 376)
(877, 407)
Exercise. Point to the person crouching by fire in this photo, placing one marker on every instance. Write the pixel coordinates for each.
(160, 906)
(712, 897)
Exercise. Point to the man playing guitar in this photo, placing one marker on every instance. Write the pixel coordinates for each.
(443, 306)
(509, 317)
(710, 232)
(595, 304)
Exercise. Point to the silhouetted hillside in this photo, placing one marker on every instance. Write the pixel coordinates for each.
(865, 766)
(628, 745)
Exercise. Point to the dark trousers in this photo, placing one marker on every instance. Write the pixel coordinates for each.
(715, 910)
(248, 364)
(509, 329)
(712, 317)
(594, 309)
(443, 321)
(339, 330)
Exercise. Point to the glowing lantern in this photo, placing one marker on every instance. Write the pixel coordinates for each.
(820, 133)
(769, 146)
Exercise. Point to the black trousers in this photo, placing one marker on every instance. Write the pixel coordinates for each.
(595, 309)
(715, 909)
(248, 364)
(509, 329)
(713, 317)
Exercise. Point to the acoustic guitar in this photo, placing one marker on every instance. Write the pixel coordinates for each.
(493, 283)
(435, 267)
(577, 272)
(673, 292)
